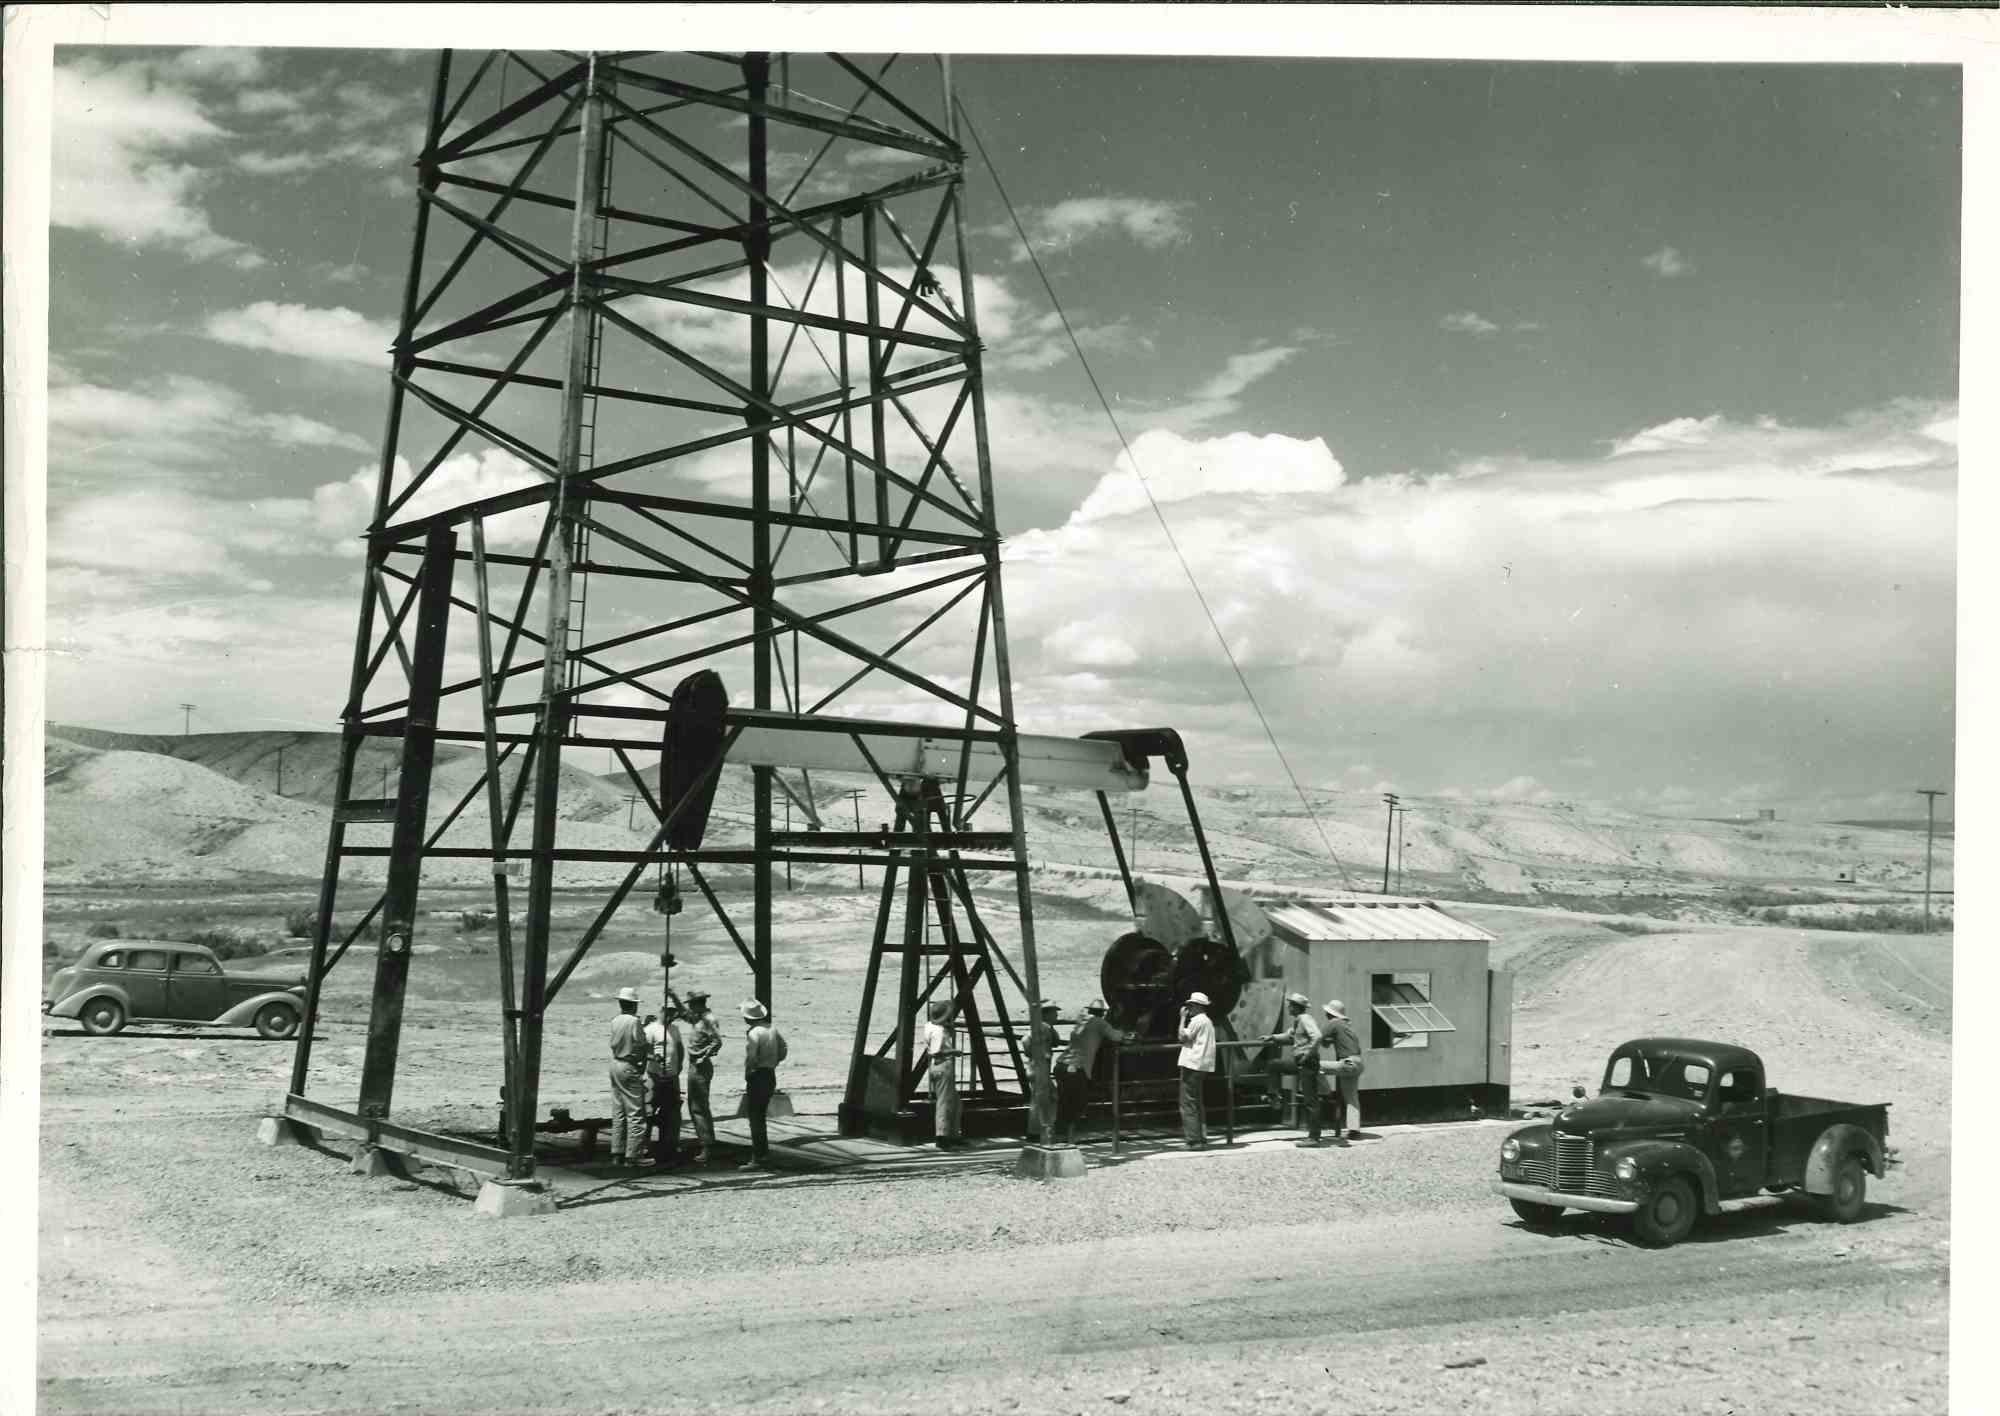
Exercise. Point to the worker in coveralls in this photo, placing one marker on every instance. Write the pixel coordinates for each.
(1076, 1069)
(763, 1049)
(1300, 1042)
(941, 1045)
(1346, 1069)
(1042, 1104)
(663, 1083)
(1197, 1060)
(704, 1041)
(629, 1049)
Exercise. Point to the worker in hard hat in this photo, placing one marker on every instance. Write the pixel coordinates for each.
(1347, 1066)
(663, 1082)
(704, 1042)
(1076, 1068)
(1300, 1044)
(763, 1049)
(629, 1049)
(1197, 1061)
(941, 1046)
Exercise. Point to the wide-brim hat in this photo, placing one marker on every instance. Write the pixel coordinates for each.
(1299, 1000)
(1049, 1005)
(1336, 1010)
(1095, 1005)
(628, 995)
(755, 1012)
(940, 1009)
(1201, 998)
(696, 995)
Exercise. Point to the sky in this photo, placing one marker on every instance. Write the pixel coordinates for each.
(1533, 432)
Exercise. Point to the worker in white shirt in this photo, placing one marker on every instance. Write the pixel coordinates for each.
(763, 1049)
(663, 1079)
(941, 1046)
(629, 1048)
(1197, 1061)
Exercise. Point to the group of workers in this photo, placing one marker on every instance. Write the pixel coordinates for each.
(650, 1061)
(1301, 1044)
(1074, 1068)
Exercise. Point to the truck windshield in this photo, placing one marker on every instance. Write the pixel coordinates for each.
(1660, 1074)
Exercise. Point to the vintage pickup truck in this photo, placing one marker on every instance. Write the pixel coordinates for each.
(1682, 1128)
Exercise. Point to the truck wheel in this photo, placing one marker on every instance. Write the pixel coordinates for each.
(101, 1017)
(1536, 1216)
(275, 1020)
(1667, 1214)
(1850, 1193)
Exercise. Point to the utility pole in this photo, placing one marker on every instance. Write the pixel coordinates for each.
(1402, 826)
(1388, 840)
(788, 848)
(187, 716)
(281, 769)
(631, 805)
(854, 799)
(1930, 796)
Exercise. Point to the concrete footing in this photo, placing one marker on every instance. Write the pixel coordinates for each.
(373, 1160)
(511, 1199)
(279, 1131)
(1050, 1163)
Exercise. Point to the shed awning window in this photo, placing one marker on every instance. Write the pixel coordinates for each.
(1406, 1010)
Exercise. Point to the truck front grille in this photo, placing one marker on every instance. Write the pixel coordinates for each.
(1572, 1163)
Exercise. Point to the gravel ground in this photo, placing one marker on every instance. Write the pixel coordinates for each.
(184, 1267)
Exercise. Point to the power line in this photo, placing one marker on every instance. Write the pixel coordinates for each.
(1151, 501)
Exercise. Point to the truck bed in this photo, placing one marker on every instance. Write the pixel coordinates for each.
(1797, 1122)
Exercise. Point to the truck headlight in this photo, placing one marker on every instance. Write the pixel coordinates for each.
(1510, 1150)
(1627, 1169)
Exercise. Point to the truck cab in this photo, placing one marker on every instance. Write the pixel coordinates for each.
(1682, 1127)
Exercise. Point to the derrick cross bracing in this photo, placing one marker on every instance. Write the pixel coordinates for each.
(687, 376)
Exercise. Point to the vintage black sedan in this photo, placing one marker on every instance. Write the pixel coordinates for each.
(117, 982)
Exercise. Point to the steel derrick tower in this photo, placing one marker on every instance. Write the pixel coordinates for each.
(687, 376)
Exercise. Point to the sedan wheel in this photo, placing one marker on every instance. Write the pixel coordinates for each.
(101, 1017)
(275, 1020)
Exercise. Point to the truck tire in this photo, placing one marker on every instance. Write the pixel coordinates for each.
(101, 1017)
(276, 1021)
(1667, 1214)
(1850, 1193)
(1536, 1216)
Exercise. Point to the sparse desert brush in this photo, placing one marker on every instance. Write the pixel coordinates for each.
(227, 944)
(299, 923)
(473, 921)
(103, 930)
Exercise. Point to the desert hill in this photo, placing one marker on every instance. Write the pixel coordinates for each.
(204, 807)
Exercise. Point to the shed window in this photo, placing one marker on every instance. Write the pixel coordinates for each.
(1404, 1013)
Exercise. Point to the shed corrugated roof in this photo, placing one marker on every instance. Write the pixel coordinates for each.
(1371, 917)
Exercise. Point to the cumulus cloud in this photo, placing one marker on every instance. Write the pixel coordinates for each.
(1068, 224)
(1467, 322)
(1667, 262)
(1675, 432)
(123, 135)
(1759, 576)
(171, 419)
(337, 335)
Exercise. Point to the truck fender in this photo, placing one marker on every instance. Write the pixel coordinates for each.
(73, 1006)
(1835, 1144)
(242, 1014)
(1658, 1159)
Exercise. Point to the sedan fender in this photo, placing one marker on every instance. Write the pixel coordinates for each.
(1657, 1159)
(243, 1014)
(73, 1005)
(1836, 1143)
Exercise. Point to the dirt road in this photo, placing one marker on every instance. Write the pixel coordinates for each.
(184, 1268)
